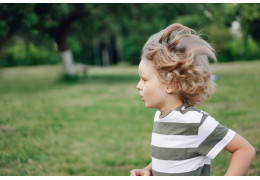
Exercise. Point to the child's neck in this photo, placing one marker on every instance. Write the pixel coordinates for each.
(172, 103)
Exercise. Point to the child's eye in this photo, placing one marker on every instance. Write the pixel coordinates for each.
(144, 79)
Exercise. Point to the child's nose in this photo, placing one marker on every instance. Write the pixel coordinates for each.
(138, 86)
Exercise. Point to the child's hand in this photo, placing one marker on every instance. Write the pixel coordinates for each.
(140, 172)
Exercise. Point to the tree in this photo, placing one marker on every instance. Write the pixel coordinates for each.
(104, 34)
(249, 15)
(35, 21)
(10, 21)
(57, 20)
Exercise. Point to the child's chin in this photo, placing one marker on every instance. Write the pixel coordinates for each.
(148, 106)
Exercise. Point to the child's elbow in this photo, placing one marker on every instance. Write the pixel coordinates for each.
(251, 152)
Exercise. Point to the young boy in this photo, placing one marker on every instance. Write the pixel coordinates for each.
(175, 78)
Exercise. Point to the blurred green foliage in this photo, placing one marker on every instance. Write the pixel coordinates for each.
(120, 30)
(241, 52)
(23, 53)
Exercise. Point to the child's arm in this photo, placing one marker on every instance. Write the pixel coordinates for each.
(243, 155)
(147, 171)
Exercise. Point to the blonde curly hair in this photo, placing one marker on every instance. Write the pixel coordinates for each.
(181, 59)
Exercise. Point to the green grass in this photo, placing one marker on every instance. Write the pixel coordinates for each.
(99, 126)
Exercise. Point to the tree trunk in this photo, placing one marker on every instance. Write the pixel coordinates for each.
(119, 47)
(3, 42)
(65, 52)
(105, 56)
(61, 35)
(106, 50)
(68, 63)
(96, 51)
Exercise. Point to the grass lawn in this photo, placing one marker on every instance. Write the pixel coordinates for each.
(99, 126)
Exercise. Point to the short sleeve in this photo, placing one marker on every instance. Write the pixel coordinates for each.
(213, 137)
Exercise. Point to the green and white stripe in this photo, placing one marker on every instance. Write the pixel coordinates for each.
(185, 140)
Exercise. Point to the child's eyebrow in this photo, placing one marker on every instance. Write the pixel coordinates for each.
(143, 77)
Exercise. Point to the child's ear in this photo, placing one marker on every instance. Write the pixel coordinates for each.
(170, 88)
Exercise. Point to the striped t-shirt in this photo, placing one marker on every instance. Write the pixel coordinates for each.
(185, 140)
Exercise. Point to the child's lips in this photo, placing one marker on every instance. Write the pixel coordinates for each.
(142, 97)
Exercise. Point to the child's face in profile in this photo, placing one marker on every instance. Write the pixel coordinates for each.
(151, 88)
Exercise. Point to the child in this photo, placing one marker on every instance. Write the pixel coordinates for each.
(175, 78)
